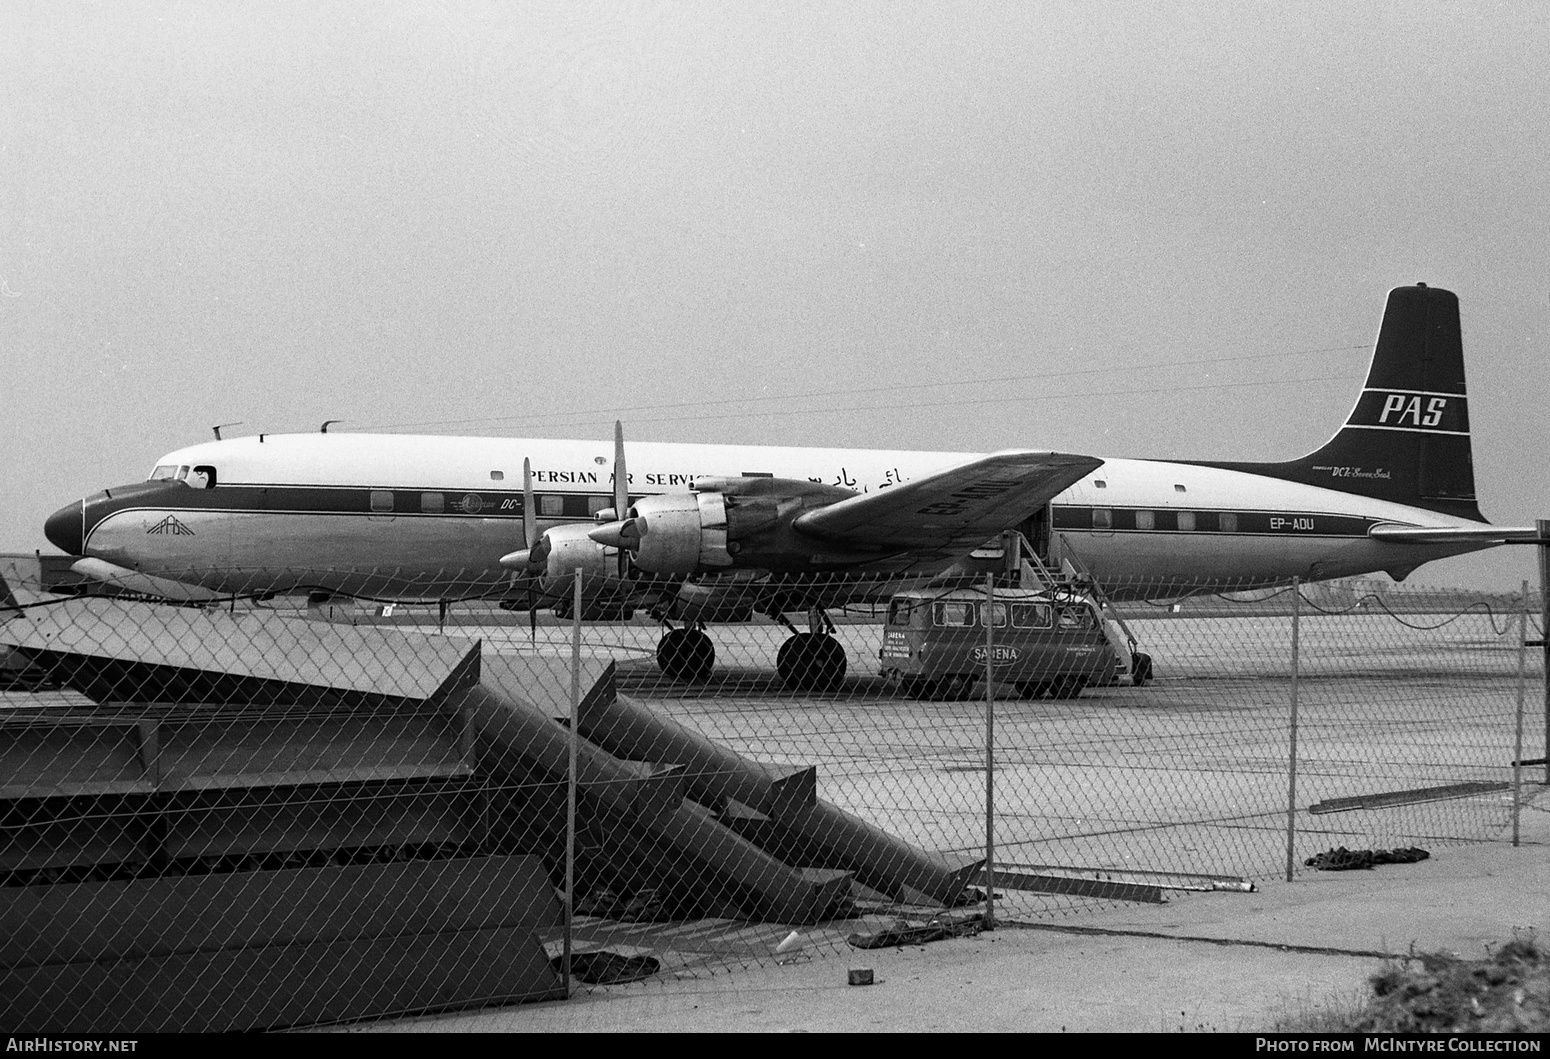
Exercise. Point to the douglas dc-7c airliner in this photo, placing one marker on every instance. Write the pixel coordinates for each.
(704, 532)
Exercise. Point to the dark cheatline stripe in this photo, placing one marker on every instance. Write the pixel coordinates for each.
(507, 504)
(341, 500)
(1236, 523)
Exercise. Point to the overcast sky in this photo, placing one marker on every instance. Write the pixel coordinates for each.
(1130, 229)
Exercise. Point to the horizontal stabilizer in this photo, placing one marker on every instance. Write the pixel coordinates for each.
(127, 580)
(1396, 534)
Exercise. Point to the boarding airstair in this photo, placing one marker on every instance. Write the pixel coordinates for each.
(1135, 666)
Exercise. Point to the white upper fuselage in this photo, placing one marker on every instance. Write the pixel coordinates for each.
(339, 504)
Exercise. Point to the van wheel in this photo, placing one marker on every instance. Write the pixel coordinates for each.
(959, 687)
(1069, 687)
(918, 687)
(1032, 689)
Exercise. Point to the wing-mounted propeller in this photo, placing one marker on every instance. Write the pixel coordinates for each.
(529, 560)
(719, 524)
(534, 553)
(553, 556)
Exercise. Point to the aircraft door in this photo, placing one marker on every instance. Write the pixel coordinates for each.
(1036, 530)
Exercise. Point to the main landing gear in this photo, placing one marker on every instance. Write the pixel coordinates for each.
(812, 660)
(686, 653)
(807, 661)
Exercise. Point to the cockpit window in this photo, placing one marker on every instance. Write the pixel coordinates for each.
(201, 477)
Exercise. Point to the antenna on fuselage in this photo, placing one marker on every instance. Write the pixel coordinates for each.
(217, 428)
(326, 424)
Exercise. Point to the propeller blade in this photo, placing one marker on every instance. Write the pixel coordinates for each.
(621, 493)
(529, 516)
(621, 476)
(530, 539)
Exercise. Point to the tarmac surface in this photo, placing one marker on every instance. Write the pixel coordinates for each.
(1203, 962)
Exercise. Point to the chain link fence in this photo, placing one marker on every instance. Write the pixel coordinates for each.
(264, 811)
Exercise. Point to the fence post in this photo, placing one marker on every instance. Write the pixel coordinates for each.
(1291, 772)
(1542, 531)
(570, 781)
(1517, 745)
(990, 754)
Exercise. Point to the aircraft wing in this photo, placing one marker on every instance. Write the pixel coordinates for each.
(1394, 533)
(950, 511)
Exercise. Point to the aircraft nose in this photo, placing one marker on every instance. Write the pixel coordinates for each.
(64, 528)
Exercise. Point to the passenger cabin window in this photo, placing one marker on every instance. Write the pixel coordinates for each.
(382, 500)
(1030, 616)
(955, 615)
(1228, 521)
(597, 503)
(1103, 518)
(551, 504)
(1186, 520)
(433, 503)
(497, 476)
(1146, 520)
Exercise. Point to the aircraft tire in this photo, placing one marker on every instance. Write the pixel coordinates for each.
(686, 654)
(811, 662)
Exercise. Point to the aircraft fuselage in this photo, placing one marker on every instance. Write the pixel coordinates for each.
(385, 513)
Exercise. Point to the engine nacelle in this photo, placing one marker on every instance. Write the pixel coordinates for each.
(724, 522)
(679, 533)
(569, 547)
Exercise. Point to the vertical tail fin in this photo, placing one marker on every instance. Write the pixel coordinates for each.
(1407, 438)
